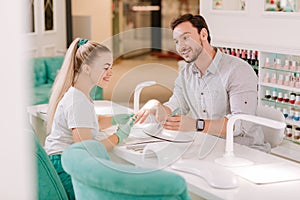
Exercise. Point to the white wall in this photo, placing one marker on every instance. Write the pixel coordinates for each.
(16, 168)
(253, 28)
(101, 17)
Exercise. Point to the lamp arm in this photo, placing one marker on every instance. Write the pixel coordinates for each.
(251, 118)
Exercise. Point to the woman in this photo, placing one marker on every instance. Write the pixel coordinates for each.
(71, 114)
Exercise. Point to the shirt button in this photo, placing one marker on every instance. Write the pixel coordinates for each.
(201, 93)
(204, 111)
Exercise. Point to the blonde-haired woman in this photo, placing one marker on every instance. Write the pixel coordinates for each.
(71, 114)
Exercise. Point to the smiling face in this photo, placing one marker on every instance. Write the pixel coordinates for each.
(188, 41)
(102, 71)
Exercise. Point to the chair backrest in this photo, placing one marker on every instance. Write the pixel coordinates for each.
(95, 176)
(49, 185)
(272, 136)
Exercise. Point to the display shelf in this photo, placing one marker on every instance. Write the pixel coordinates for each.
(280, 70)
(292, 140)
(283, 87)
(277, 103)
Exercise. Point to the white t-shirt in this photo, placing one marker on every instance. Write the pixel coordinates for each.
(74, 110)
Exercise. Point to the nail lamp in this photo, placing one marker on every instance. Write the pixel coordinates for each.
(228, 159)
(137, 91)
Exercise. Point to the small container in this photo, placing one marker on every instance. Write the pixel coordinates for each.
(267, 62)
(293, 66)
(285, 113)
(286, 98)
(268, 94)
(280, 97)
(297, 116)
(286, 80)
(277, 64)
(292, 113)
(292, 98)
(274, 79)
(286, 65)
(292, 81)
(267, 78)
(297, 101)
(288, 131)
(274, 95)
(297, 133)
(280, 80)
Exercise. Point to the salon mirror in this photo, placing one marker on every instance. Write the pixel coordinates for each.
(229, 5)
(282, 5)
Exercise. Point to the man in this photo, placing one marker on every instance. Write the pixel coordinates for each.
(211, 87)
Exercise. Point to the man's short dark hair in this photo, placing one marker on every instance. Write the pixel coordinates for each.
(196, 20)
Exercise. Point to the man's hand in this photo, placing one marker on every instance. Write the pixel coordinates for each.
(153, 107)
(180, 123)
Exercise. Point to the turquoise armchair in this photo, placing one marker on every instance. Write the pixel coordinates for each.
(49, 185)
(95, 176)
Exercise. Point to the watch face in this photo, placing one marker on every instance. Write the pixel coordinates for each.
(200, 124)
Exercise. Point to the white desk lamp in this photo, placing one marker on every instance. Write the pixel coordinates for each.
(137, 91)
(228, 158)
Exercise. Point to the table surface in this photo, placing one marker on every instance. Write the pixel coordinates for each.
(197, 185)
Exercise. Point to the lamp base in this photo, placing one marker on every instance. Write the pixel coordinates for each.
(232, 161)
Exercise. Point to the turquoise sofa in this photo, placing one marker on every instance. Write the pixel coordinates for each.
(95, 176)
(44, 70)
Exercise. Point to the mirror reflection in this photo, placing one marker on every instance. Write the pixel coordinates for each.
(282, 5)
(229, 5)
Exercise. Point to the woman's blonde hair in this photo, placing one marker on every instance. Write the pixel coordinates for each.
(77, 54)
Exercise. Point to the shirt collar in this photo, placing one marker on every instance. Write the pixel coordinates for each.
(212, 68)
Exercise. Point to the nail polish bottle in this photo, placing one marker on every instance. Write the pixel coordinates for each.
(286, 98)
(288, 131)
(249, 56)
(267, 62)
(292, 81)
(277, 63)
(292, 113)
(292, 98)
(280, 80)
(280, 97)
(268, 94)
(274, 95)
(273, 79)
(237, 53)
(297, 81)
(286, 65)
(267, 78)
(243, 55)
(294, 66)
(297, 133)
(297, 101)
(297, 116)
(286, 80)
(285, 113)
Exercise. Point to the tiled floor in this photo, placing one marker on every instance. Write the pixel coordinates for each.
(127, 73)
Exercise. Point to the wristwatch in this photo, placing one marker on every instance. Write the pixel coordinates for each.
(200, 123)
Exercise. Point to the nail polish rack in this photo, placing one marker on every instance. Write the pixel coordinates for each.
(250, 56)
(279, 87)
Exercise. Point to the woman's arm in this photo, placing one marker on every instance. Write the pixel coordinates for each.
(80, 134)
(104, 122)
